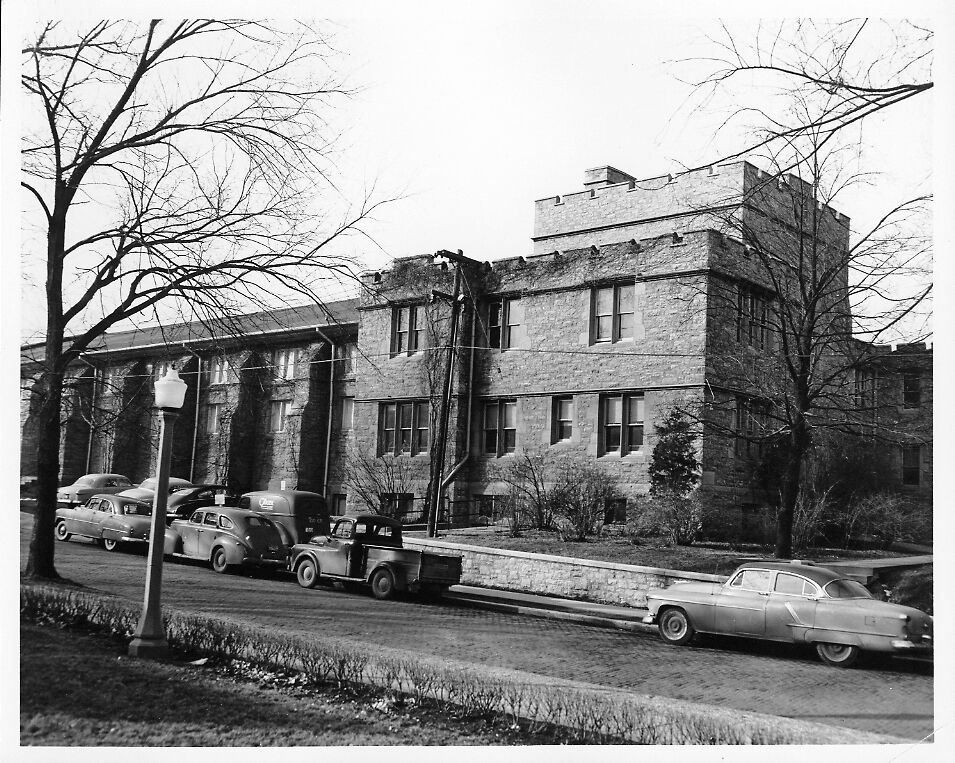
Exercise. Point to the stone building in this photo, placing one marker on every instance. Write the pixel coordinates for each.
(639, 297)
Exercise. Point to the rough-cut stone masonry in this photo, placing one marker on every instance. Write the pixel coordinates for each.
(604, 582)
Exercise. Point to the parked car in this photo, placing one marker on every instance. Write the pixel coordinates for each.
(227, 537)
(92, 484)
(186, 499)
(174, 483)
(367, 549)
(299, 514)
(146, 490)
(795, 602)
(110, 519)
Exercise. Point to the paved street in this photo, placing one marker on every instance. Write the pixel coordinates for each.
(890, 697)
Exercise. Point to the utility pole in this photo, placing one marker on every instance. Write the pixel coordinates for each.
(441, 441)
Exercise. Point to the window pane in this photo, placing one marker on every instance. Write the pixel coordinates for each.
(390, 416)
(490, 441)
(612, 410)
(510, 440)
(612, 438)
(510, 415)
(565, 430)
(490, 416)
(348, 412)
(604, 301)
(625, 329)
(565, 409)
(625, 298)
(635, 436)
(635, 410)
(405, 415)
(604, 328)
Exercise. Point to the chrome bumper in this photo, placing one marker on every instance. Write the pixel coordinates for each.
(649, 620)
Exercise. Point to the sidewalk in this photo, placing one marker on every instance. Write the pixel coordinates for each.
(584, 612)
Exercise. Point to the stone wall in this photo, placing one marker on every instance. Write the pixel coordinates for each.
(565, 577)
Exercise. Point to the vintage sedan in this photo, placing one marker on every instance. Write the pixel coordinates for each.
(226, 537)
(109, 519)
(795, 602)
(146, 490)
(92, 484)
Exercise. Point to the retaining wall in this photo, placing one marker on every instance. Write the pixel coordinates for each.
(566, 577)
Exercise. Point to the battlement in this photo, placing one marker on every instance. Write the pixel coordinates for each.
(614, 200)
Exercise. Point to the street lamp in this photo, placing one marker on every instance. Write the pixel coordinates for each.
(149, 640)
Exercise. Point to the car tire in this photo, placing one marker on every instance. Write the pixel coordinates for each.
(837, 655)
(110, 544)
(675, 627)
(220, 562)
(307, 574)
(60, 531)
(383, 584)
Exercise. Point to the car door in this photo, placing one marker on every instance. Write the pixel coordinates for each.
(207, 535)
(791, 608)
(78, 518)
(741, 605)
(87, 517)
(189, 532)
(335, 552)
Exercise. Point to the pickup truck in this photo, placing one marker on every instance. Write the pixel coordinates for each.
(367, 549)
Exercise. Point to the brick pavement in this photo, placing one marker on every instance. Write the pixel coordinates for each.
(895, 698)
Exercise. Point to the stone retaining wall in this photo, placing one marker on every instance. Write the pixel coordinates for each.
(567, 577)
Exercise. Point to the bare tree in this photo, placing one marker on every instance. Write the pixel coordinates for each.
(843, 71)
(198, 152)
(371, 477)
(806, 301)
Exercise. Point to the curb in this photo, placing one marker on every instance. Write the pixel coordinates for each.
(561, 609)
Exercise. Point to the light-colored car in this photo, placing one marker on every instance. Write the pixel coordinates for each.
(92, 484)
(109, 519)
(175, 483)
(227, 537)
(795, 602)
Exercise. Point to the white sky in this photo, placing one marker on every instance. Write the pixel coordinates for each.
(471, 112)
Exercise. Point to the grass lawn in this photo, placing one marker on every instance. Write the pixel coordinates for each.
(78, 688)
(712, 558)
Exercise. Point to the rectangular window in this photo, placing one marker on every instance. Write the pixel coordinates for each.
(278, 414)
(407, 330)
(612, 313)
(213, 417)
(403, 428)
(864, 388)
(397, 505)
(505, 323)
(339, 501)
(615, 511)
(348, 412)
(911, 464)
(621, 423)
(563, 418)
(283, 363)
(751, 425)
(752, 317)
(494, 324)
(911, 389)
(349, 354)
(218, 371)
(500, 427)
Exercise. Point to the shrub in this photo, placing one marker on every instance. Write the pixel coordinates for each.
(889, 518)
(580, 501)
(914, 588)
(678, 518)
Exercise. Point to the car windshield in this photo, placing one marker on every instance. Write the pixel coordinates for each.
(138, 509)
(847, 589)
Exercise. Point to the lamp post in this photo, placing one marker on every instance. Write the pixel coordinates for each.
(149, 640)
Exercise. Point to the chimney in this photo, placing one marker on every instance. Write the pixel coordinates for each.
(599, 177)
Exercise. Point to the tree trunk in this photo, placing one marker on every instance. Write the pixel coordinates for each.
(40, 561)
(798, 447)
